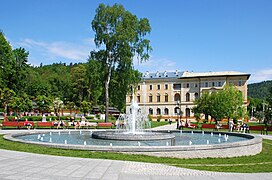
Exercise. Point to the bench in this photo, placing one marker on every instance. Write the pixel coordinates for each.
(10, 124)
(104, 124)
(91, 124)
(224, 126)
(45, 124)
(208, 126)
(22, 124)
(256, 128)
(268, 128)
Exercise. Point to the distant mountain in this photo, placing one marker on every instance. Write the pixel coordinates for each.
(259, 90)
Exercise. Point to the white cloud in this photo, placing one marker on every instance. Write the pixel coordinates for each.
(155, 64)
(261, 75)
(59, 49)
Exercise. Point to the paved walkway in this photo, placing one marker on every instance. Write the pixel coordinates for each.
(21, 165)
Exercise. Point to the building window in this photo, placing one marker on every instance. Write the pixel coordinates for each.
(219, 84)
(177, 110)
(177, 97)
(166, 97)
(166, 86)
(206, 84)
(187, 97)
(196, 85)
(150, 98)
(187, 85)
(158, 98)
(158, 87)
(138, 98)
(177, 86)
(213, 84)
(150, 111)
(166, 111)
(240, 83)
(196, 95)
(150, 87)
(139, 88)
(158, 111)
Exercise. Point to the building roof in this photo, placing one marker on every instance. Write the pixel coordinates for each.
(162, 75)
(212, 74)
(186, 74)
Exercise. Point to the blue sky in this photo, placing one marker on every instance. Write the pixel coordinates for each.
(193, 35)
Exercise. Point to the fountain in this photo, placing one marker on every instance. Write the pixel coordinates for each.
(136, 127)
(136, 137)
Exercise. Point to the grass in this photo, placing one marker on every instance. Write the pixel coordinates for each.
(156, 123)
(248, 164)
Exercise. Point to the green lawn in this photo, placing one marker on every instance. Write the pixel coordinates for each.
(156, 123)
(258, 163)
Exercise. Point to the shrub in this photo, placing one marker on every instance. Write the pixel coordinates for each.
(89, 117)
(149, 117)
(112, 118)
(159, 118)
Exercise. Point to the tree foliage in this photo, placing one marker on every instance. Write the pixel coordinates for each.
(120, 36)
(226, 103)
(259, 90)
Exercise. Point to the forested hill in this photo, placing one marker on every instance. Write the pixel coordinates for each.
(259, 90)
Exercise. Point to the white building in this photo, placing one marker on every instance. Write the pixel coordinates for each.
(165, 93)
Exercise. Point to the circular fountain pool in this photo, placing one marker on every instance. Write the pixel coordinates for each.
(183, 144)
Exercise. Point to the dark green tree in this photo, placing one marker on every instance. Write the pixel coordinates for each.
(6, 96)
(6, 62)
(43, 103)
(71, 106)
(95, 79)
(20, 67)
(85, 107)
(79, 83)
(226, 103)
(120, 36)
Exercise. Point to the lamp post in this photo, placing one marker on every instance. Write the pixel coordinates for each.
(264, 104)
(252, 111)
(42, 107)
(178, 113)
(186, 113)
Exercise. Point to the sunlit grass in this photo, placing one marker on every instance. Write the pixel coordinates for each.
(259, 163)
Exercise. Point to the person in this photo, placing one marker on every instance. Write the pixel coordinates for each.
(72, 123)
(218, 125)
(27, 124)
(77, 125)
(61, 124)
(230, 126)
(245, 127)
(170, 121)
(117, 124)
(238, 127)
(82, 122)
(56, 123)
(182, 124)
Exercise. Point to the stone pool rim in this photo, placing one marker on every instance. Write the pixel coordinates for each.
(252, 146)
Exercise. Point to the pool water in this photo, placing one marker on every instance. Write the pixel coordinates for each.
(85, 138)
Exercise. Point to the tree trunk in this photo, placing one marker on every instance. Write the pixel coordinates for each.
(107, 101)
(107, 82)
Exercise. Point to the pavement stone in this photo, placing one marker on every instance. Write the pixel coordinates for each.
(21, 165)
